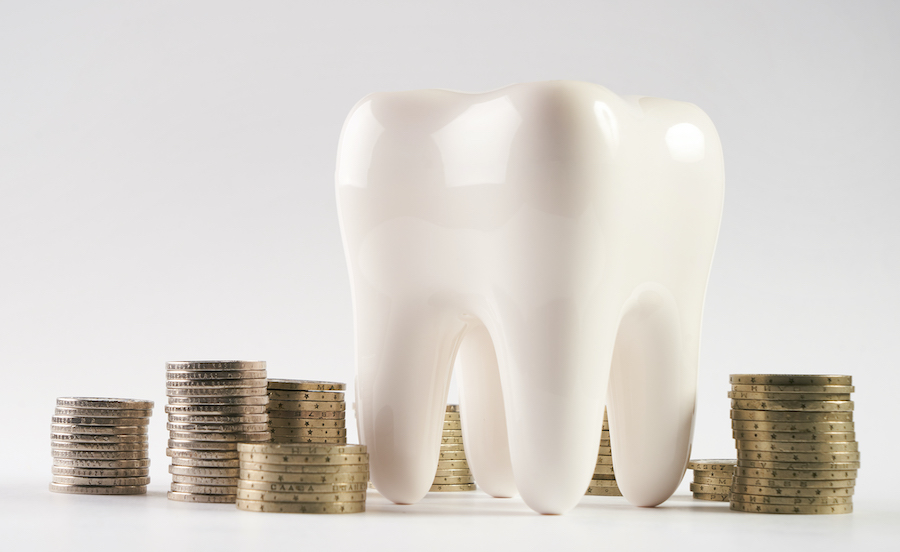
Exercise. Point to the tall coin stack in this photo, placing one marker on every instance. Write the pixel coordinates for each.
(212, 407)
(604, 481)
(453, 472)
(307, 412)
(712, 479)
(796, 445)
(99, 446)
(302, 479)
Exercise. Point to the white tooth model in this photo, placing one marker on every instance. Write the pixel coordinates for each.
(555, 237)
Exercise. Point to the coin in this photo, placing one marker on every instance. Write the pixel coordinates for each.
(114, 422)
(604, 460)
(98, 430)
(216, 409)
(451, 417)
(714, 472)
(785, 416)
(203, 489)
(313, 406)
(95, 402)
(107, 439)
(792, 509)
(190, 497)
(215, 419)
(792, 427)
(99, 454)
(793, 491)
(304, 468)
(710, 489)
(254, 477)
(795, 483)
(197, 463)
(798, 456)
(96, 490)
(218, 428)
(795, 474)
(789, 379)
(606, 476)
(203, 454)
(94, 464)
(717, 481)
(284, 487)
(791, 500)
(324, 459)
(453, 455)
(218, 401)
(452, 425)
(306, 385)
(605, 451)
(215, 384)
(246, 494)
(309, 431)
(789, 396)
(717, 497)
(204, 481)
(453, 472)
(604, 468)
(107, 447)
(604, 483)
(101, 412)
(794, 388)
(263, 448)
(308, 422)
(226, 437)
(793, 406)
(305, 395)
(780, 446)
(800, 465)
(452, 488)
(216, 365)
(195, 471)
(101, 481)
(452, 408)
(299, 414)
(214, 374)
(215, 393)
(819, 437)
(451, 440)
(452, 447)
(301, 507)
(282, 439)
(202, 445)
(83, 472)
(712, 465)
(455, 480)
(603, 491)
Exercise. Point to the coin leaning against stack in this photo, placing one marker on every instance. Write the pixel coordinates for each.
(712, 479)
(603, 482)
(100, 446)
(453, 474)
(213, 406)
(309, 412)
(796, 445)
(302, 478)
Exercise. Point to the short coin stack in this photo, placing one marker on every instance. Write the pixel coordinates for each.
(212, 407)
(712, 479)
(796, 445)
(309, 412)
(453, 472)
(99, 446)
(604, 480)
(302, 479)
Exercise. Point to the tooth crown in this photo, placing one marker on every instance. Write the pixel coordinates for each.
(563, 234)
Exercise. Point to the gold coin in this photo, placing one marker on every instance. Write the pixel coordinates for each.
(785, 416)
(452, 447)
(218, 428)
(215, 409)
(746, 395)
(204, 489)
(781, 446)
(311, 406)
(604, 483)
(453, 454)
(791, 500)
(195, 463)
(275, 395)
(798, 456)
(604, 460)
(210, 499)
(301, 414)
(451, 417)
(276, 481)
(239, 437)
(217, 419)
(300, 450)
(792, 509)
(717, 481)
(597, 490)
(819, 437)
(605, 451)
(455, 480)
(266, 496)
(794, 388)
(604, 469)
(710, 489)
(452, 488)
(301, 507)
(304, 468)
(789, 379)
(101, 481)
(215, 384)
(451, 440)
(451, 433)
(792, 427)
(603, 476)
(97, 490)
(712, 465)
(793, 406)
(795, 474)
(218, 401)
(331, 432)
(452, 425)
(204, 481)
(306, 385)
(214, 374)
(793, 491)
(298, 440)
(800, 465)
(96, 402)
(452, 472)
(795, 483)
(305, 460)
(724, 472)
(719, 497)
(312, 423)
(213, 392)
(198, 471)
(453, 408)
(452, 465)
(202, 454)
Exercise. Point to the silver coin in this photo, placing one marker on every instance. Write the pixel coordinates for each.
(98, 430)
(98, 454)
(216, 419)
(101, 472)
(228, 437)
(200, 463)
(219, 401)
(101, 481)
(206, 455)
(114, 422)
(109, 439)
(215, 409)
(216, 365)
(305, 395)
(197, 471)
(306, 385)
(108, 447)
(97, 464)
(215, 384)
(102, 412)
(204, 481)
(214, 392)
(202, 445)
(218, 428)
(204, 489)
(194, 375)
(204, 498)
(92, 490)
(97, 402)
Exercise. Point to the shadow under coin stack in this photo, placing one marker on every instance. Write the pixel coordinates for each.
(307, 412)
(797, 449)
(453, 472)
(303, 479)
(604, 480)
(99, 446)
(212, 407)
(712, 479)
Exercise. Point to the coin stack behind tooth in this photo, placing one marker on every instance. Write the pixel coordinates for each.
(604, 480)
(309, 412)
(212, 407)
(796, 445)
(302, 478)
(99, 446)
(453, 472)
(712, 479)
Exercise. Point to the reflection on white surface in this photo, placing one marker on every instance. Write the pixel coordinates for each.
(686, 143)
(606, 120)
(353, 162)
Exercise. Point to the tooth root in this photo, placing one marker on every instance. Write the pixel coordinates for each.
(484, 420)
(405, 357)
(652, 393)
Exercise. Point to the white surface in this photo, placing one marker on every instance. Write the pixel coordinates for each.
(166, 171)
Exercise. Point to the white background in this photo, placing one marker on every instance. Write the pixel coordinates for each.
(166, 171)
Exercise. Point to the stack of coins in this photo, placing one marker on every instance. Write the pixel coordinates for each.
(307, 412)
(453, 472)
(302, 479)
(797, 449)
(604, 480)
(712, 479)
(99, 446)
(212, 407)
